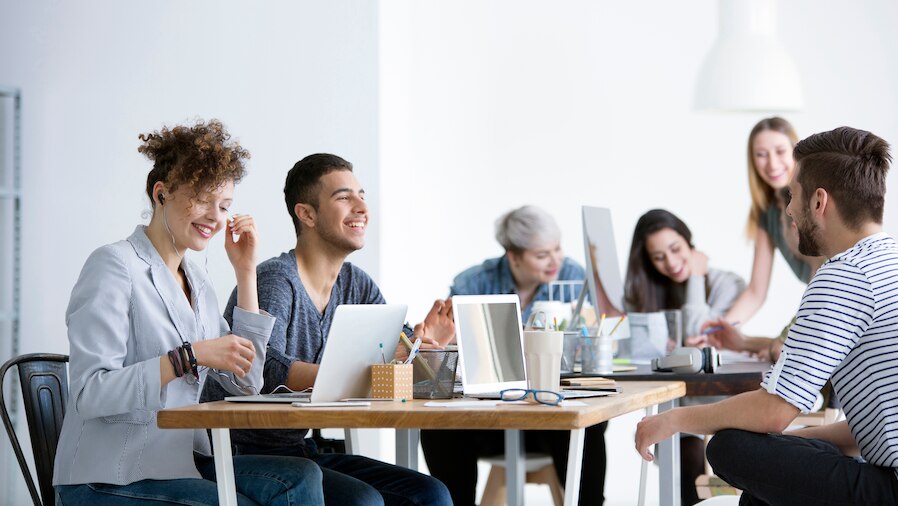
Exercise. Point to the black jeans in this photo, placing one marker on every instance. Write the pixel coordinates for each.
(452, 458)
(776, 469)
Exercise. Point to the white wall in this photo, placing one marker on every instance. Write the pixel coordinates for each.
(287, 78)
(490, 105)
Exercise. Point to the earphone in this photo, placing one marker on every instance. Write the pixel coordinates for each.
(161, 197)
(688, 360)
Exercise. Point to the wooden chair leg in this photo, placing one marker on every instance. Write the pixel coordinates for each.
(494, 492)
(547, 476)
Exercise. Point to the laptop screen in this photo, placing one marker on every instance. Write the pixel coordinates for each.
(490, 342)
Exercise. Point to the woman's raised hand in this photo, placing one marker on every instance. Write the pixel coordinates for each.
(698, 263)
(226, 353)
(242, 252)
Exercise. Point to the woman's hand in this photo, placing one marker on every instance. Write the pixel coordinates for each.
(227, 353)
(241, 253)
(725, 335)
(698, 263)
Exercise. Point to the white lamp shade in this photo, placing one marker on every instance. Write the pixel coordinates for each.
(748, 69)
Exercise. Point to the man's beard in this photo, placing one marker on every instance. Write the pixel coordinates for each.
(337, 241)
(808, 236)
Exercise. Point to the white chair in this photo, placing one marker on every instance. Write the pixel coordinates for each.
(538, 468)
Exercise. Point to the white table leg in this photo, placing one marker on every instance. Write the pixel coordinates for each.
(644, 465)
(574, 468)
(351, 439)
(514, 466)
(407, 448)
(669, 463)
(224, 467)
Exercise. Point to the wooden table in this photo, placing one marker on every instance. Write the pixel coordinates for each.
(730, 379)
(409, 417)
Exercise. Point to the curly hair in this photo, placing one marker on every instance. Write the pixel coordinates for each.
(201, 157)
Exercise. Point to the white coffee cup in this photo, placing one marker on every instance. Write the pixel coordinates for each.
(542, 358)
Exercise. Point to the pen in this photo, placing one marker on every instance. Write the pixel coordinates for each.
(622, 317)
(601, 325)
(414, 351)
(382, 356)
(717, 328)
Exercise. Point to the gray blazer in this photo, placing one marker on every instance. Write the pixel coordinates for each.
(125, 313)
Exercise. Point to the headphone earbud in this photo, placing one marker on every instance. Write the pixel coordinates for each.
(161, 198)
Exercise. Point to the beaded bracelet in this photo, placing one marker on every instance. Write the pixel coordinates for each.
(174, 358)
(192, 358)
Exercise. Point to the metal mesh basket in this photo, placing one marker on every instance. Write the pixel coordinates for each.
(434, 374)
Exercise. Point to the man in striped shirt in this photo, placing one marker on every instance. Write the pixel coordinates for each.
(846, 330)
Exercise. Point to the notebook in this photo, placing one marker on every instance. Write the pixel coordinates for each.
(352, 345)
(491, 346)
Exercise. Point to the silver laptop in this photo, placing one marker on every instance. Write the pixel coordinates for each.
(353, 344)
(491, 346)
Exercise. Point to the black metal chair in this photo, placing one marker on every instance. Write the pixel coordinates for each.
(45, 389)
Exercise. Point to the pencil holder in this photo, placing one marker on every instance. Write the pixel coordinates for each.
(434, 374)
(391, 381)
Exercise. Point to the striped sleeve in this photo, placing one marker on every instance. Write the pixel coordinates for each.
(836, 310)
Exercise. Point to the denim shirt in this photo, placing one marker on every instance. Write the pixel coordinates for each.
(493, 277)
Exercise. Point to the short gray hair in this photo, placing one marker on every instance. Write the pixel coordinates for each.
(526, 227)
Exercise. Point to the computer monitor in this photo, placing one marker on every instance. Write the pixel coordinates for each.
(603, 272)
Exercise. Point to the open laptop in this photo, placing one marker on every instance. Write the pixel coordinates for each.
(353, 344)
(491, 346)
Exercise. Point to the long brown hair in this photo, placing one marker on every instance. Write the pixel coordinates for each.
(762, 195)
(647, 290)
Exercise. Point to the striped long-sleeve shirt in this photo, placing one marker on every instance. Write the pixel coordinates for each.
(847, 329)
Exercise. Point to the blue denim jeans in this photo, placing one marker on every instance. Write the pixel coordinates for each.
(778, 469)
(281, 481)
(357, 480)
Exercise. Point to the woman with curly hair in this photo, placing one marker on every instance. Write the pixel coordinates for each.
(146, 333)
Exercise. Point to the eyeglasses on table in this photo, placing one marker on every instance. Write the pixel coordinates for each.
(547, 397)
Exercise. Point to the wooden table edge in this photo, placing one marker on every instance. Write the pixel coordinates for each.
(412, 415)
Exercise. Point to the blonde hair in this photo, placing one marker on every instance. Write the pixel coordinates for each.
(762, 194)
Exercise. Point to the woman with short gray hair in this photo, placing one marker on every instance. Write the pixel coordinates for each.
(526, 227)
(533, 259)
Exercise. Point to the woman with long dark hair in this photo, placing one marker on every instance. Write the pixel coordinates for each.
(665, 271)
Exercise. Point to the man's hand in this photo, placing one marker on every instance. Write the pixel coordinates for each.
(651, 430)
(427, 343)
(439, 324)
